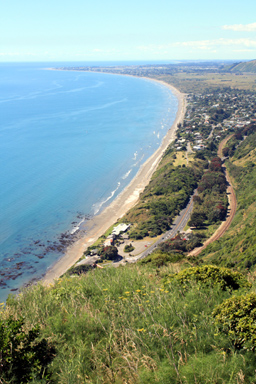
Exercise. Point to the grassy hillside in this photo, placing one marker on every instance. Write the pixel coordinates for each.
(237, 247)
(133, 325)
(248, 66)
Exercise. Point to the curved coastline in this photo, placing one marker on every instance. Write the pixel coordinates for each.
(122, 203)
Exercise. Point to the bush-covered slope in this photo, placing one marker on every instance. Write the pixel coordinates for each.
(133, 325)
(237, 248)
(167, 193)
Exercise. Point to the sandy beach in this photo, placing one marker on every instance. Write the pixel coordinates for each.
(123, 202)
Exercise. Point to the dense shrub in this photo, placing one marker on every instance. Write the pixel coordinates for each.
(22, 356)
(79, 269)
(215, 164)
(159, 259)
(213, 275)
(137, 235)
(109, 253)
(167, 193)
(129, 248)
(236, 318)
(219, 115)
(237, 246)
(226, 151)
(197, 219)
(210, 205)
(181, 243)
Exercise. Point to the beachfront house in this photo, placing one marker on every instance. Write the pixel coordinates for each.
(120, 228)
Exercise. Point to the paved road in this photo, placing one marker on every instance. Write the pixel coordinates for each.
(181, 221)
(178, 225)
(213, 127)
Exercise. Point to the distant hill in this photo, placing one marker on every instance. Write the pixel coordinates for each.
(248, 66)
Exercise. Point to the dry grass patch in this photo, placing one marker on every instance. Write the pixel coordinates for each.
(180, 159)
(193, 82)
(244, 160)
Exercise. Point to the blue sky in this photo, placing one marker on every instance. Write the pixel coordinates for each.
(134, 30)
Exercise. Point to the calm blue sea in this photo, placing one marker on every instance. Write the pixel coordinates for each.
(69, 143)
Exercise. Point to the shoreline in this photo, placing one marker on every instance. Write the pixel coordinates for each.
(123, 202)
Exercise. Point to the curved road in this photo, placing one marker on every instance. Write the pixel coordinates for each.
(183, 218)
(178, 225)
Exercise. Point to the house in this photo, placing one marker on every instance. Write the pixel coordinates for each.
(198, 147)
(120, 228)
(109, 241)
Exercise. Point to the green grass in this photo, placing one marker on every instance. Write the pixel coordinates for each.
(130, 325)
(237, 247)
(167, 193)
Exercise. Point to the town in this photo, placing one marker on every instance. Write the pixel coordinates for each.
(209, 116)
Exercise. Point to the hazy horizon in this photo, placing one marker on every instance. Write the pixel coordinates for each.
(134, 31)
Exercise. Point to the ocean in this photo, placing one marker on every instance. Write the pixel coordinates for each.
(70, 142)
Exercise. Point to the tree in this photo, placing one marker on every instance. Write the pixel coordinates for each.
(197, 219)
(80, 269)
(226, 151)
(215, 164)
(236, 318)
(197, 199)
(109, 253)
(211, 275)
(23, 357)
(239, 136)
(129, 248)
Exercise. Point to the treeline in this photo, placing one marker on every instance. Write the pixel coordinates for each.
(166, 195)
(173, 250)
(210, 207)
(237, 247)
(181, 244)
(210, 204)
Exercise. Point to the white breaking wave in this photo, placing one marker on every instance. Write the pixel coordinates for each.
(76, 228)
(140, 160)
(98, 206)
(126, 175)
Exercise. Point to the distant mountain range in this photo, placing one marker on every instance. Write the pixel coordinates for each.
(248, 66)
